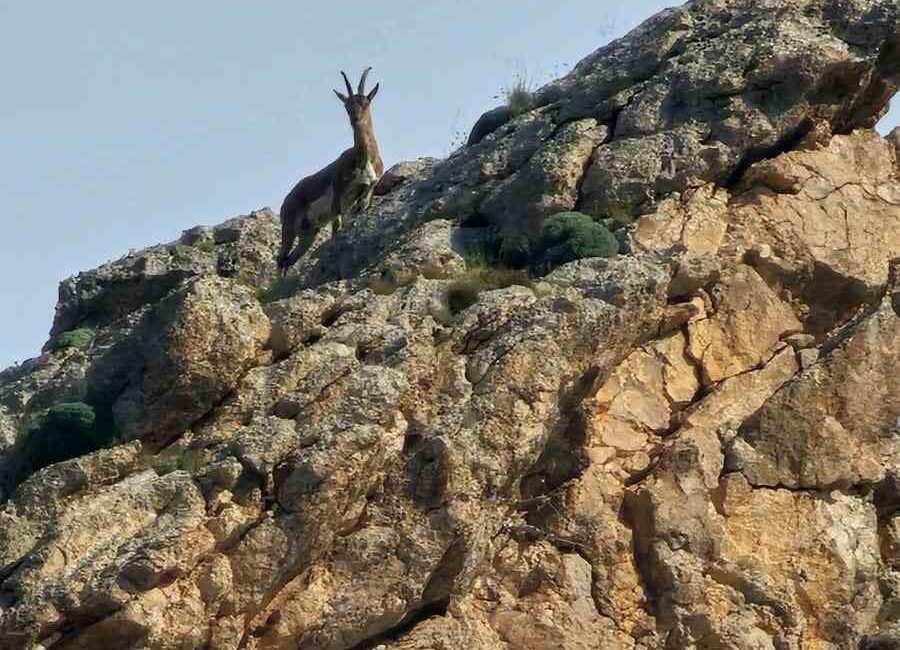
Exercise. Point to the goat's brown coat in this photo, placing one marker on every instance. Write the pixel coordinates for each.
(344, 186)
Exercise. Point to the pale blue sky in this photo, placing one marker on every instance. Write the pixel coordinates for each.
(124, 122)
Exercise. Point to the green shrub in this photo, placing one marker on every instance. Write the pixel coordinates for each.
(77, 338)
(483, 254)
(279, 289)
(515, 248)
(619, 215)
(69, 430)
(479, 242)
(464, 290)
(570, 236)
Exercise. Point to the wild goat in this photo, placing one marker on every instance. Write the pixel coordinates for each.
(343, 187)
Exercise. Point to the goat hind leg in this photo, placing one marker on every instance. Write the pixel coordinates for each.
(306, 236)
(288, 235)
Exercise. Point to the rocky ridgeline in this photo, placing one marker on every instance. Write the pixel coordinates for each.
(693, 444)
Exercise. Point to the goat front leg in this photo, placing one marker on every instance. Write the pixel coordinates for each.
(366, 200)
(338, 208)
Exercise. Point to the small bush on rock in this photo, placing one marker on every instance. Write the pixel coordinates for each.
(77, 338)
(68, 430)
(485, 253)
(570, 236)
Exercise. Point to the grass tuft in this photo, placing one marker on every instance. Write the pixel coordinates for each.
(279, 289)
(188, 460)
(519, 97)
(463, 292)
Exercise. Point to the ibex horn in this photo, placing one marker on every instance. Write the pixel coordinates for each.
(347, 81)
(362, 81)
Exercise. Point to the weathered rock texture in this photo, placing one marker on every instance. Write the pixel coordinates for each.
(691, 445)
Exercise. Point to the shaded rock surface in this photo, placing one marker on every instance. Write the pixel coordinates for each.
(691, 445)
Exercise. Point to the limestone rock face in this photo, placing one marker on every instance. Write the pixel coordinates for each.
(835, 424)
(748, 322)
(216, 330)
(694, 444)
(794, 220)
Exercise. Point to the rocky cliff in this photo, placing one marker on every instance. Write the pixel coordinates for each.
(691, 444)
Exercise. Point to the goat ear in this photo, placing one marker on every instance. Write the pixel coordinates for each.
(340, 96)
(374, 92)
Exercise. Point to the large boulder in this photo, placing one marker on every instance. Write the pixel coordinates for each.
(243, 249)
(191, 352)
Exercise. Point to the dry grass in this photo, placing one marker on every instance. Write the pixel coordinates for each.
(463, 292)
(186, 460)
(519, 98)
